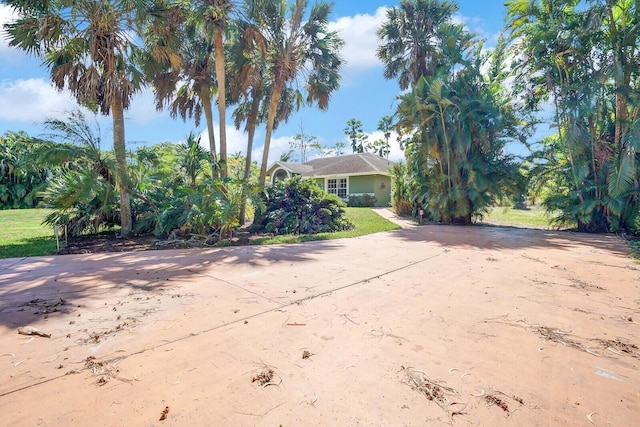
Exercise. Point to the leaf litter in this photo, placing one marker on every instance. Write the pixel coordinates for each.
(434, 391)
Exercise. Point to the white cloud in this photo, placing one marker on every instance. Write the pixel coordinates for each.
(361, 41)
(396, 154)
(278, 146)
(236, 140)
(142, 109)
(8, 55)
(6, 15)
(33, 100)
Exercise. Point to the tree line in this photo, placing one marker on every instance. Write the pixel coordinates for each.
(459, 104)
(269, 57)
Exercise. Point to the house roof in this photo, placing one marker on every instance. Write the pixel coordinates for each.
(296, 168)
(351, 164)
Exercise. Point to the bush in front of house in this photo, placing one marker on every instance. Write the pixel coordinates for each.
(299, 206)
(361, 201)
(401, 191)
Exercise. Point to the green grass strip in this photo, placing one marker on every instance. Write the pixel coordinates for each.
(22, 233)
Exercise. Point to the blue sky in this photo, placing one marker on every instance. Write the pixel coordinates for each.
(27, 97)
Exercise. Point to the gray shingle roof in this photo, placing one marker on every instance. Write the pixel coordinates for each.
(351, 164)
(361, 163)
(297, 168)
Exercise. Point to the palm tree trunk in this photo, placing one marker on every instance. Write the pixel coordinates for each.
(621, 79)
(222, 100)
(208, 114)
(252, 121)
(273, 107)
(450, 213)
(121, 166)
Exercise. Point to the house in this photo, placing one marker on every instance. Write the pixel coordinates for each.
(350, 175)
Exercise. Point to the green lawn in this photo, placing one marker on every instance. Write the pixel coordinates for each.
(366, 222)
(534, 217)
(22, 233)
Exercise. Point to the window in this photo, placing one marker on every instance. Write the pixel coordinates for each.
(280, 175)
(337, 186)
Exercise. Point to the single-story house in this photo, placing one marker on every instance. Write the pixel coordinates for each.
(349, 175)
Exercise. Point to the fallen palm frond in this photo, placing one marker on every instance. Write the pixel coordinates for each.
(432, 390)
(562, 337)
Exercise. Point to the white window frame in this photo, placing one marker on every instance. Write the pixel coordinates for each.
(338, 181)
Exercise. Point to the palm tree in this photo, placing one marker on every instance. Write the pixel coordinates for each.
(297, 47)
(385, 125)
(453, 119)
(215, 16)
(89, 48)
(247, 64)
(188, 90)
(410, 39)
(77, 145)
(192, 157)
(585, 60)
(359, 141)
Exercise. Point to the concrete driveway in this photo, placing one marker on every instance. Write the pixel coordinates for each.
(428, 325)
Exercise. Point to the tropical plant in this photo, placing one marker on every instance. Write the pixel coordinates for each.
(299, 206)
(188, 90)
(412, 40)
(583, 59)
(385, 125)
(339, 148)
(82, 196)
(217, 13)
(454, 119)
(249, 85)
(80, 202)
(90, 48)
(192, 157)
(21, 175)
(359, 140)
(401, 192)
(381, 148)
(298, 46)
(77, 144)
(246, 61)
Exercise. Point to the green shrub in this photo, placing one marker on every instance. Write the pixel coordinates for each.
(299, 206)
(401, 191)
(361, 201)
(403, 208)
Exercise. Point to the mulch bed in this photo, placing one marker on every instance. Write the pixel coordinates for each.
(112, 242)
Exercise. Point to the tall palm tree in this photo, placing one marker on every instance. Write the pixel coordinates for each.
(410, 39)
(214, 14)
(385, 125)
(359, 141)
(89, 48)
(454, 121)
(188, 90)
(297, 47)
(247, 84)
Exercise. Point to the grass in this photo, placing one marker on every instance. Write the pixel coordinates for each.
(365, 220)
(22, 233)
(534, 217)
